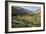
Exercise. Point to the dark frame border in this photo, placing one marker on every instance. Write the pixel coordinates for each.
(6, 16)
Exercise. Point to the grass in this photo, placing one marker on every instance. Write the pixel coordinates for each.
(33, 20)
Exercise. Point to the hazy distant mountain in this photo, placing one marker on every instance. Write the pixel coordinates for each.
(37, 11)
(20, 11)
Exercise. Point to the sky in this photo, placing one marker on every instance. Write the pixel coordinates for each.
(31, 8)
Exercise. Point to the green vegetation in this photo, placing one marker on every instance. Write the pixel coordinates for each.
(33, 20)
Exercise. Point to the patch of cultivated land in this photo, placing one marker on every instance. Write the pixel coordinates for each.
(26, 21)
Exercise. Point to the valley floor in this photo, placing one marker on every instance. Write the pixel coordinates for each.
(26, 21)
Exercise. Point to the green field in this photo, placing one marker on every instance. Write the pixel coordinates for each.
(33, 20)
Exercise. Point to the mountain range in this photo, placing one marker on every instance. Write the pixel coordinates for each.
(21, 11)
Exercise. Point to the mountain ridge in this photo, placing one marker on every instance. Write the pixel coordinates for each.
(22, 11)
